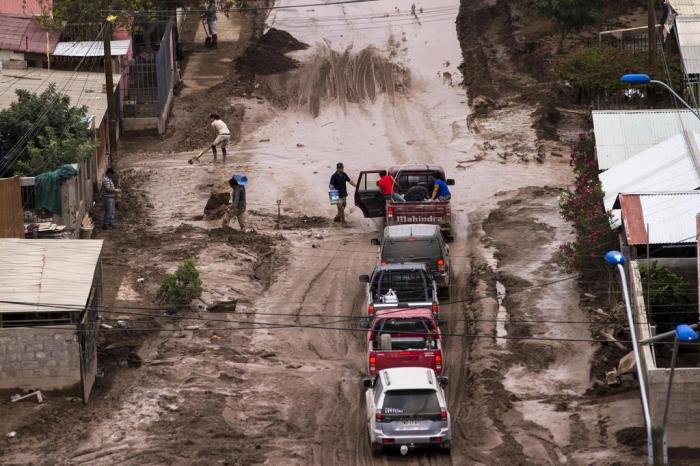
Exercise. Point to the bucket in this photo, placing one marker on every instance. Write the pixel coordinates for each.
(334, 196)
(85, 232)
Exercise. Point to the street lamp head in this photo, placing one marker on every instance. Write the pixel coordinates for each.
(635, 79)
(614, 258)
(686, 333)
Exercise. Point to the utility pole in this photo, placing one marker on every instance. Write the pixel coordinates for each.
(109, 84)
(651, 19)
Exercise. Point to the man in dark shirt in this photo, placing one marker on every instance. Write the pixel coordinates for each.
(237, 207)
(338, 182)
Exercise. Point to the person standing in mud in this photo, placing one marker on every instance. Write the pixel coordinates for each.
(210, 15)
(237, 207)
(223, 135)
(109, 193)
(339, 182)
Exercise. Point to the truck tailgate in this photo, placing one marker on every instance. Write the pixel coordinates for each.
(436, 213)
(412, 358)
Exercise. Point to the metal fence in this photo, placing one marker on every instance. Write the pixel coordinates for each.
(149, 79)
(31, 213)
(141, 99)
(629, 43)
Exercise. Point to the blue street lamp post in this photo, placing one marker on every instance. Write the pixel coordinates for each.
(683, 333)
(643, 79)
(615, 258)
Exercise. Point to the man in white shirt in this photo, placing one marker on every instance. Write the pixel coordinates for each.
(223, 135)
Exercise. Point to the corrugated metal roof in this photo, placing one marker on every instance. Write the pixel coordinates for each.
(90, 48)
(82, 88)
(46, 271)
(664, 217)
(621, 134)
(688, 30)
(22, 34)
(669, 166)
(685, 7)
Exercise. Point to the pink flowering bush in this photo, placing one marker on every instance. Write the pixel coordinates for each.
(583, 208)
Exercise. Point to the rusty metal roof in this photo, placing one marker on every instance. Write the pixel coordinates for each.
(660, 218)
(22, 34)
(51, 273)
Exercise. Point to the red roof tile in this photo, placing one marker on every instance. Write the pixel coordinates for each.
(22, 34)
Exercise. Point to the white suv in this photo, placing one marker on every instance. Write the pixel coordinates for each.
(407, 408)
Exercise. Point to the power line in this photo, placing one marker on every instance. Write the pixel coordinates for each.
(264, 8)
(354, 330)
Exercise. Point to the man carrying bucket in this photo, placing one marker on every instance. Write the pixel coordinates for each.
(339, 182)
(237, 207)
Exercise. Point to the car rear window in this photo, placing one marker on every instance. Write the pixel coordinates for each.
(399, 325)
(411, 403)
(409, 285)
(407, 249)
(409, 180)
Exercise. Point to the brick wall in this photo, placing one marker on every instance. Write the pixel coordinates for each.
(40, 358)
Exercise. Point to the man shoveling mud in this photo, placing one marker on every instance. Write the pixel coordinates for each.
(339, 182)
(223, 135)
(237, 207)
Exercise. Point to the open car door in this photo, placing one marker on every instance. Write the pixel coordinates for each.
(368, 197)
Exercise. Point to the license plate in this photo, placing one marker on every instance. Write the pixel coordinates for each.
(409, 425)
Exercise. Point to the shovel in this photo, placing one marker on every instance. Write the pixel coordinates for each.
(196, 157)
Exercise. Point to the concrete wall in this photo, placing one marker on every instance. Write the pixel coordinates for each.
(684, 411)
(40, 358)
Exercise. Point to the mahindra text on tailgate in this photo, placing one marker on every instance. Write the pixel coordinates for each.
(435, 213)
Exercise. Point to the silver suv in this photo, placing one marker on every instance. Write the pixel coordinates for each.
(407, 408)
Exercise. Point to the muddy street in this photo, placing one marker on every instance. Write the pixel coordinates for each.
(277, 378)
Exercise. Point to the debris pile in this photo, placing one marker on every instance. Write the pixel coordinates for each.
(267, 55)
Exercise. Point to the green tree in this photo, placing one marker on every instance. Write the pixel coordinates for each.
(181, 287)
(62, 137)
(569, 15)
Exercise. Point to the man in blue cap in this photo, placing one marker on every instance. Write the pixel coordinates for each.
(237, 207)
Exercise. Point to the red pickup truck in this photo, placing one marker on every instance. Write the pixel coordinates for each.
(404, 338)
(415, 184)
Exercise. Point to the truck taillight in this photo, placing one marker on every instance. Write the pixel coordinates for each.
(441, 265)
(435, 439)
(372, 364)
(378, 415)
(438, 361)
(390, 212)
(434, 308)
(370, 311)
(443, 415)
(388, 441)
(382, 262)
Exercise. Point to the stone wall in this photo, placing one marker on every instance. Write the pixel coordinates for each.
(43, 358)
